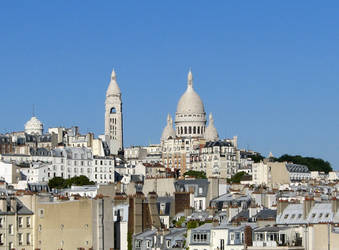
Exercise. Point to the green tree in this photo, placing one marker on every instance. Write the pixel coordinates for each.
(256, 157)
(196, 174)
(56, 182)
(237, 177)
(180, 221)
(313, 164)
(59, 182)
(192, 224)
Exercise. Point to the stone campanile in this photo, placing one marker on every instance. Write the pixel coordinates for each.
(113, 116)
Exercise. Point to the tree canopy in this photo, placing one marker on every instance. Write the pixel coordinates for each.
(313, 164)
(59, 182)
(196, 174)
(256, 157)
(237, 177)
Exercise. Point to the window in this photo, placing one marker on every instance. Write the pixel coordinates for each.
(28, 238)
(138, 243)
(41, 212)
(1, 222)
(40, 228)
(232, 236)
(20, 238)
(313, 215)
(113, 110)
(222, 244)
(10, 229)
(20, 221)
(286, 216)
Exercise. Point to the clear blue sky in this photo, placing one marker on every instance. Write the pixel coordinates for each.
(268, 70)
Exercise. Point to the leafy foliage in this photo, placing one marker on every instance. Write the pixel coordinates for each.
(59, 182)
(256, 157)
(313, 164)
(196, 174)
(236, 178)
(192, 224)
(180, 221)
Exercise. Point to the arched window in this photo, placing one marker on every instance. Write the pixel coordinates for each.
(198, 130)
(181, 131)
(190, 130)
(194, 130)
(113, 110)
(185, 130)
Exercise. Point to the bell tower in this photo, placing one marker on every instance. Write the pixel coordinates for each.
(113, 116)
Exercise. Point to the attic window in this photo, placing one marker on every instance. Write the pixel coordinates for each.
(320, 215)
(327, 215)
(313, 215)
(286, 216)
(299, 216)
(293, 216)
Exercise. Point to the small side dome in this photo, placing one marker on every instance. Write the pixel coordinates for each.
(113, 88)
(168, 131)
(34, 126)
(211, 133)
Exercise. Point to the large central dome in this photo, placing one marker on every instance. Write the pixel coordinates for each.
(190, 102)
(190, 118)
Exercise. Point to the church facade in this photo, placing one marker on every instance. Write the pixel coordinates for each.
(189, 144)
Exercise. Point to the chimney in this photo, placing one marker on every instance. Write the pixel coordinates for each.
(215, 223)
(211, 210)
(308, 204)
(248, 236)
(335, 205)
(252, 211)
(13, 204)
(188, 211)
(281, 205)
(3, 204)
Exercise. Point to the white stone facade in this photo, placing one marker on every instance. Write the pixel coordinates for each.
(113, 116)
(34, 126)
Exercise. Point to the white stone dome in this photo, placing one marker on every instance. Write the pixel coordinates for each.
(190, 118)
(34, 126)
(168, 131)
(211, 133)
(113, 88)
(190, 102)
